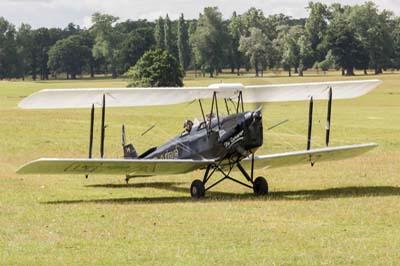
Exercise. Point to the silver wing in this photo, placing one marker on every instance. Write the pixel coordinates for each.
(135, 167)
(124, 97)
(307, 157)
(149, 167)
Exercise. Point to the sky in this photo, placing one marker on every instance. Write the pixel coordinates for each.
(58, 13)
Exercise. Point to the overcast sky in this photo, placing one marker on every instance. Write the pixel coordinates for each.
(58, 13)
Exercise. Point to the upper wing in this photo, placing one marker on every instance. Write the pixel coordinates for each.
(120, 97)
(134, 167)
(310, 156)
(304, 91)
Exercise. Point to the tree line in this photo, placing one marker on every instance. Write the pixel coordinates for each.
(332, 37)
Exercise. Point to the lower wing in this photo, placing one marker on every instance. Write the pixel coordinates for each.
(150, 167)
(308, 156)
(143, 167)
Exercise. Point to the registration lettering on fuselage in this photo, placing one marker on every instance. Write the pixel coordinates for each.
(170, 154)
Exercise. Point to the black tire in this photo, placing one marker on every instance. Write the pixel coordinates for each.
(260, 186)
(197, 189)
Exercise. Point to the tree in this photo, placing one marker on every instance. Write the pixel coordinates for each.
(159, 33)
(373, 30)
(346, 48)
(69, 55)
(305, 53)
(296, 49)
(134, 45)
(183, 43)
(395, 59)
(10, 61)
(253, 18)
(208, 40)
(256, 48)
(168, 39)
(328, 62)
(235, 32)
(106, 40)
(156, 68)
(27, 50)
(43, 43)
(315, 28)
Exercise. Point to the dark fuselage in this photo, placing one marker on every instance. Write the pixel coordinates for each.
(236, 136)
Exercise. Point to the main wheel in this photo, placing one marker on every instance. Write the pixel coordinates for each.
(197, 189)
(260, 186)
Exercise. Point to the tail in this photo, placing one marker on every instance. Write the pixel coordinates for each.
(129, 150)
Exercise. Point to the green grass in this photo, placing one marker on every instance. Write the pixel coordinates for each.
(339, 213)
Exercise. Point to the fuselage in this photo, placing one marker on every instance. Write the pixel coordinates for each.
(235, 136)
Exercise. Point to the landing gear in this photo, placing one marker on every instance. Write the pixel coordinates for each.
(197, 189)
(260, 186)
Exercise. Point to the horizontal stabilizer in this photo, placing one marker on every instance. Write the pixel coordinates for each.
(125, 97)
(308, 156)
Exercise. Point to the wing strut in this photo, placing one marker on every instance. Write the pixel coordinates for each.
(103, 116)
(91, 132)
(328, 118)
(310, 120)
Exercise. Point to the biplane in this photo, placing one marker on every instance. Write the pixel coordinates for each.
(216, 144)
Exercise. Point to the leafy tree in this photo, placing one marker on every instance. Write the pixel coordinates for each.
(395, 59)
(69, 55)
(168, 39)
(183, 43)
(253, 18)
(208, 40)
(156, 68)
(71, 29)
(373, 30)
(328, 63)
(132, 48)
(305, 53)
(289, 39)
(159, 33)
(106, 40)
(256, 48)
(130, 26)
(316, 27)
(10, 62)
(41, 40)
(235, 32)
(346, 48)
(27, 50)
(191, 32)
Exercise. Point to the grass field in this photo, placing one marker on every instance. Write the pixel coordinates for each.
(339, 213)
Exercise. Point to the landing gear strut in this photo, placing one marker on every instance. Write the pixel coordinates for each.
(259, 185)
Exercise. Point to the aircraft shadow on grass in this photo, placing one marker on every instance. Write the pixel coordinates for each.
(295, 195)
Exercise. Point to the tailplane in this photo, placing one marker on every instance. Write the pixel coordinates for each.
(129, 150)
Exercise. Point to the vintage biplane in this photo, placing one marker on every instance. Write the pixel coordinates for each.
(219, 143)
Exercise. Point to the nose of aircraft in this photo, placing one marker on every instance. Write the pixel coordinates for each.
(257, 114)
